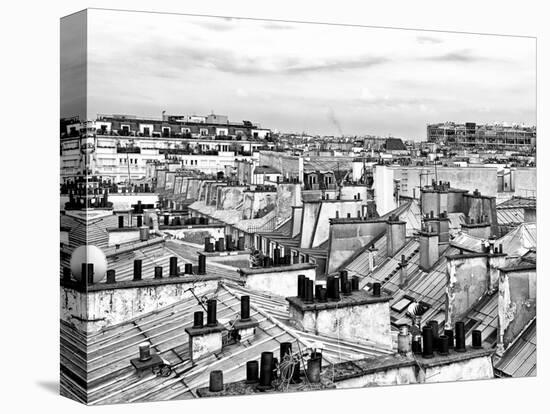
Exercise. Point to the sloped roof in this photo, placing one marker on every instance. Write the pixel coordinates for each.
(110, 377)
(520, 359)
(395, 144)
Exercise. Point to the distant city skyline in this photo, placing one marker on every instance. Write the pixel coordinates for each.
(294, 77)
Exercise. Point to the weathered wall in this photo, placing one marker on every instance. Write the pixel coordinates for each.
(230, 198)
(393, 376)
(193, 188)
(367, 322)
(471, 369)
(288, 195)
(278, 283)
(124, 201)
(123, 236)
(346, 239)
(467, 281)
(517, 302)
(525, 181)
(95, 310)
(256, 201)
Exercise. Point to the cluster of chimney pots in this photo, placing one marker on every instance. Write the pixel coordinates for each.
(335, 286)
(174, 271)
(430, 341)
(224, 244)
(179, 220)
(269, 368)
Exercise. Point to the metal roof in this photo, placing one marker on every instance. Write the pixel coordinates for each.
(520, 359)
(100, 362)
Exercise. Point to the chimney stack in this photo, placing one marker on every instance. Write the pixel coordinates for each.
(266, 370)
(395, 235)
(429, 248)
(173, 266)
(205, 340)
(427, 344)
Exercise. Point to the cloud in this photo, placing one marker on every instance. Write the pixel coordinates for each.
(339, 65)
(459, 56)
(428, 40)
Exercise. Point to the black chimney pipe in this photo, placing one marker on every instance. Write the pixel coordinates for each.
(139, 221)
(376, 287)
(449, 333)
(266, 369)
(173, 266)
(202, 264)
(347, 288)
(355, 283)
(276, 256)
(435, 331)
(120, 222)
(308, 297)
(111, 276)
(416, 346)
(245, 308)
(322, 295)
(211, 305)
(252, 368)
(188, 268)
(476, 339)
(336, 288)
(443, 345)
(427, 344)
(301, 286)
(166, 219)
(216, 381)
(460, 338)
(158, 272)
(330, 287)
(137, 269)
(343, 279)
(198, 319)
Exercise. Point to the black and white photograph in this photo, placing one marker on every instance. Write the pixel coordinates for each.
(319, 207)
(274, 207)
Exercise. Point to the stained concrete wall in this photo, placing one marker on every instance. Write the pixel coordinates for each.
(230, 198)
(467, 282)
(288, 195)
(161, 178)
(193, 188)
(471, 369)
(170, 181)
(93, 311)
(278, 283)
(346, 239)
(366, 322)
(517, 302)
(123, 236)
(393, 376)
(524, 181)
(254, 201)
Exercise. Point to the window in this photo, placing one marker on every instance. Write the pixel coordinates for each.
(204, 131)
(401, 304)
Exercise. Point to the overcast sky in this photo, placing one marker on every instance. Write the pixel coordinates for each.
(295, 77)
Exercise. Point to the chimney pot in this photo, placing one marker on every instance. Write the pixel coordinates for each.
(111, 277)
(137, 269)
(158, 272)
(476, 339)
(376, 287)
(173, 266)
(245, 308)
(211, 305)
(144, 351)
(314, 368)
(188, 268)
(443, 346)
(449, 333)
(301, 286)
(252, 368)
(202, 265)
(427, 342)
(198, 319)
(460, 338)
(355, 283)
(120, 222)
(309, 291)
(266, 369)
(216, 381)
